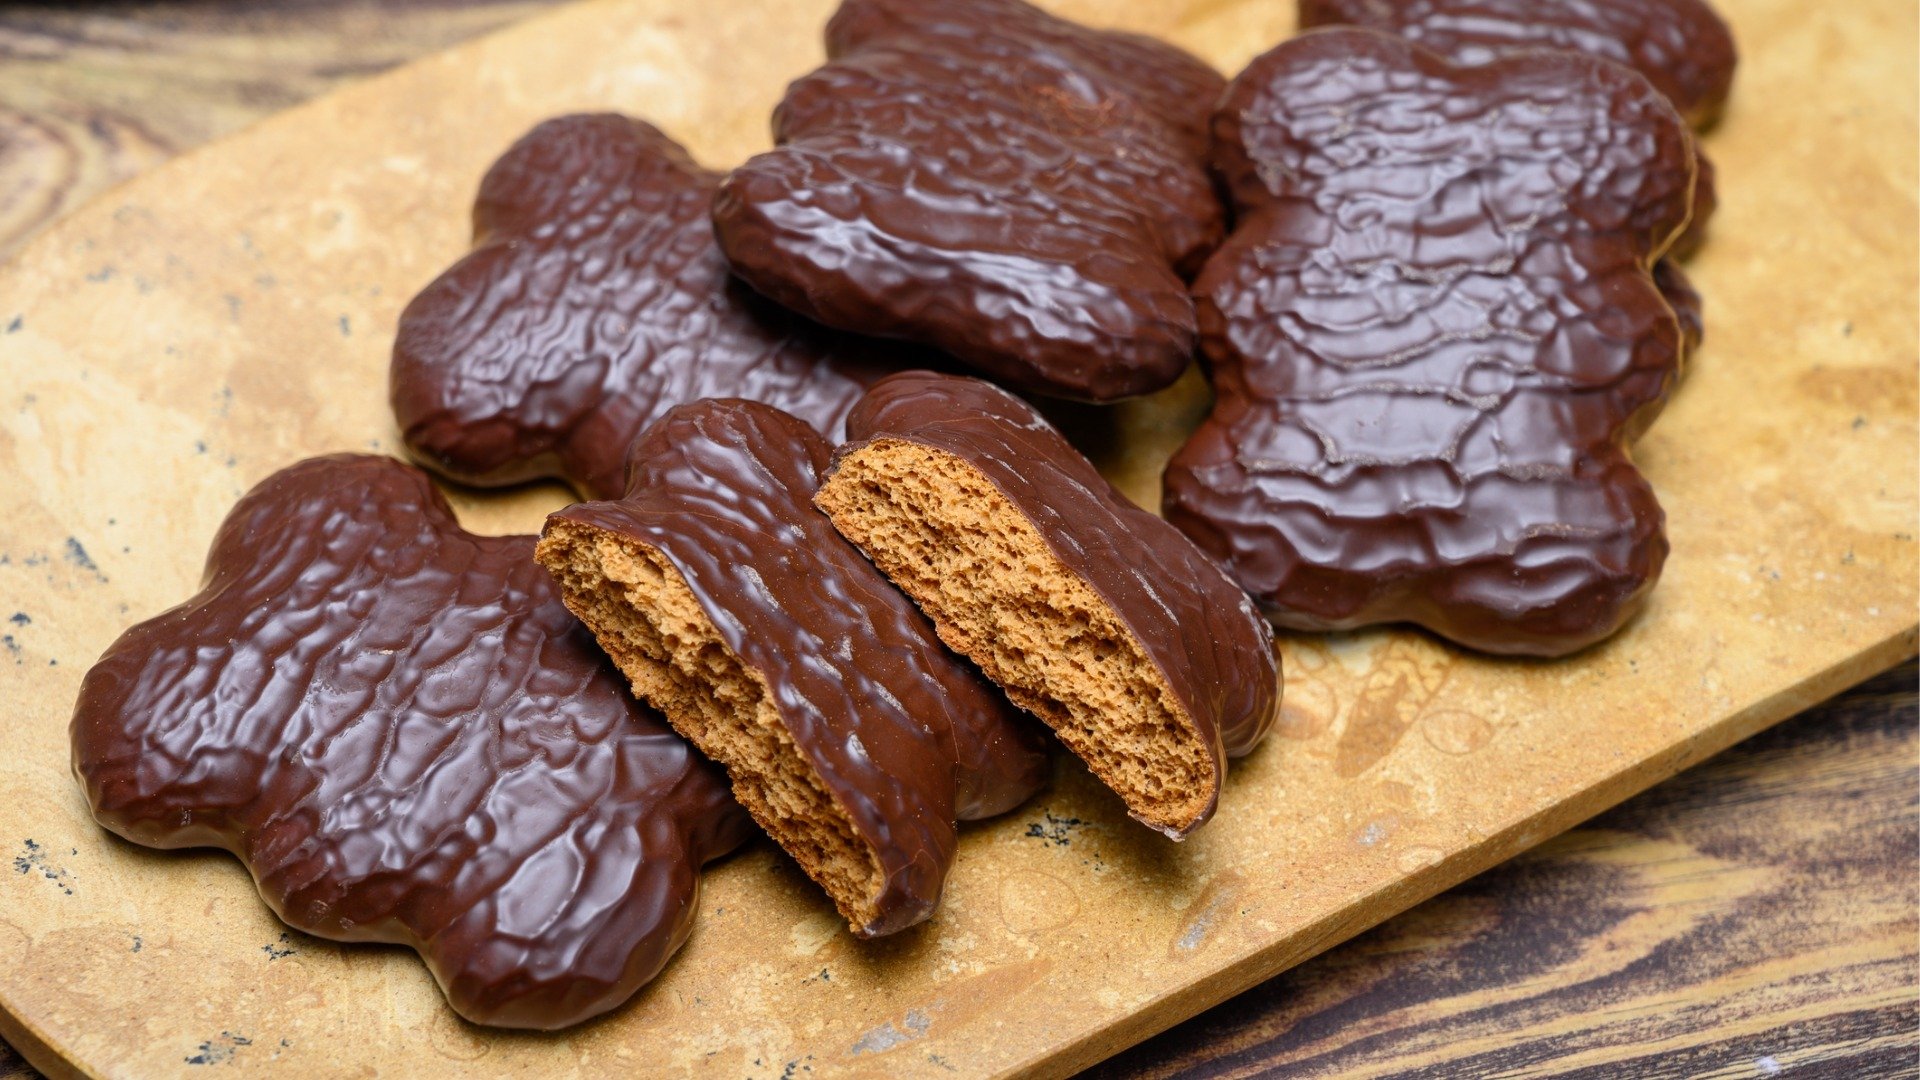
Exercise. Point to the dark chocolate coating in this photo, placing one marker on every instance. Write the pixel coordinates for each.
(593, 301)
(1682, 46)
(1021, 192)
(1684, 299)
(1706, 201)
(1211, 647)
(403, 734)
(905, 736)
(1432, 333)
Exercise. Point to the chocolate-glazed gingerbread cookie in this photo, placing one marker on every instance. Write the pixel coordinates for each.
(730, 602)
(1682, 46)
(1096, 616)
(1432, 333)
(403, 734)
(593, 301)
(976, 175)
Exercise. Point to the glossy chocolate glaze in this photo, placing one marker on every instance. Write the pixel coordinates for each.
(1684, 299)
(1706, 202)
(1019, 191)
(1432, 333)
(399, 729)
(593, 301)
(1683, 48)
(905, 735)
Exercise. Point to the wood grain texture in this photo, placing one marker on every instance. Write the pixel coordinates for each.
(1384, 733)
(93, 94)
(13, 1066)
(1756, 911)
(1758, 914)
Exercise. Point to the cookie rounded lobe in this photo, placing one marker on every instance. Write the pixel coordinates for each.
(594, 300)
(1015, 190)
(1432, 333)
(1682, 46)
(405, 736)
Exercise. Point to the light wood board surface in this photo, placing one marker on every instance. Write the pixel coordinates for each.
(1757, 916)
(1721, 888)
(230, 313)
(91, 97)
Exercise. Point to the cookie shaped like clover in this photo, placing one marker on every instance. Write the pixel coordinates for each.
(406, 738)
(1016, 190)
(1433, 332)
(593, 301)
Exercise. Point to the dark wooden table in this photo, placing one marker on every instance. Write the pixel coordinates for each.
(1757, 916)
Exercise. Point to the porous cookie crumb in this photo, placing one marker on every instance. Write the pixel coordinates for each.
(853, 735)
(388, 719)
(981, 570)
(648, 620)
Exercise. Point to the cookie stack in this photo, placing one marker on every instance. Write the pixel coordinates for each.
(836, 566)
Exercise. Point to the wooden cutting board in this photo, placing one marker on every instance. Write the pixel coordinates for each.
(231, 312)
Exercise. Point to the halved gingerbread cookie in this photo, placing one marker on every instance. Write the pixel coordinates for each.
(403, 734)
(1096, 616)
(731, 604)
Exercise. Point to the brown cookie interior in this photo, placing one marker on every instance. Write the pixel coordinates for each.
(644, 614)
(996, 593)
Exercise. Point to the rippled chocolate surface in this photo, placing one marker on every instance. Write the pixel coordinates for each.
(1212, 648)
(905, 735)
(593, 301)
(1682, 46)
(1016, 190)
(399, 729)
(1432, 333)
